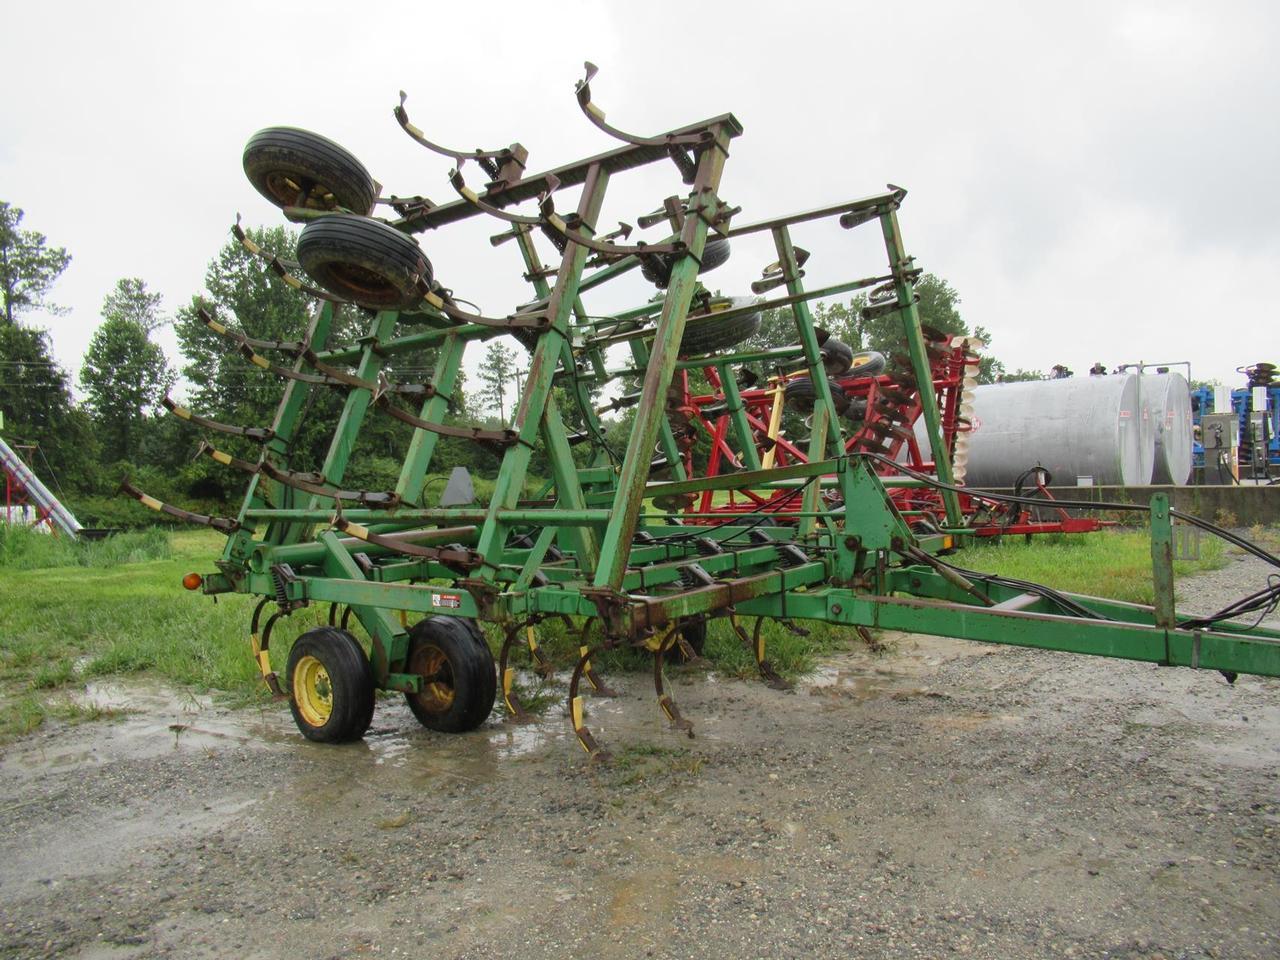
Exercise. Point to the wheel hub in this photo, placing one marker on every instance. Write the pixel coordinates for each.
(313, 691)
(430, 663)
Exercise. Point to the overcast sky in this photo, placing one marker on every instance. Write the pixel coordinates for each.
(1097, 180)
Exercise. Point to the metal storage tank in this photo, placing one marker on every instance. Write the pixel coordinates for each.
(1078, 427)
(1168, 397)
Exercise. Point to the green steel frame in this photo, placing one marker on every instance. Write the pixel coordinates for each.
(851, 559)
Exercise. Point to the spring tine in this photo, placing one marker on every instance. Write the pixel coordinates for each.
(478, 155)
(770, 676)
(509, 697)
(222, 524)
(541, 665)
(598, 687)
(577, 713)
(260, 434)
(279, 268)
(667, 705)
(582, 90)
(260, 644)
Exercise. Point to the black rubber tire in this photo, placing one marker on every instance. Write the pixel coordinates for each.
(868, 363)
(365, 261)
(800, 394)
(463, 658)
(350, 683)
(708, 333)
(657, 270)
(282, 161)
(837, 357)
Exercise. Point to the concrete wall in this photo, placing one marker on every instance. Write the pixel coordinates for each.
(1248, 505)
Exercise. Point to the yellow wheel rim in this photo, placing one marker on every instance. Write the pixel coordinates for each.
(437, 693)
(312, 691)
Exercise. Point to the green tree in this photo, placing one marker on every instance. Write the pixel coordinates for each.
(124, 373)
(498, 373)
(28, 266)
(938, 308)
(37, 407)
(132, 301)
(244, 295)
(1020, 375)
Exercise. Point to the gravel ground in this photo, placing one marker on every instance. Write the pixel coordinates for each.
(946, 798)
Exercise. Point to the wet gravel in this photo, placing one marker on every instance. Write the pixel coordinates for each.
(944, 799)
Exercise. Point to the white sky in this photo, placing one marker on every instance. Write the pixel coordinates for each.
(1098, 180)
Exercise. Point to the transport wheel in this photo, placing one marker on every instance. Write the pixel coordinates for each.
(460, 682)
(800, 394)
(292, 167)
(707, 333)
(365, 261)
(657, 270)
(837, 357)
(330, 686)
(868, 363)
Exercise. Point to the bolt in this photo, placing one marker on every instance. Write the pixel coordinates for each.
(836, 609)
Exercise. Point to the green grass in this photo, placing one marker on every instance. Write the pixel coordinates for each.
(22, 548)
(117, 608)
(69, 623)
(1114, 564)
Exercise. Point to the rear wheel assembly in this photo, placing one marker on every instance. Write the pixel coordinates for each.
(365, 261)
(330, 686)
(298, 168)
(459, 679)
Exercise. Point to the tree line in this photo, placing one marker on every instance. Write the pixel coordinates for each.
(120, 428)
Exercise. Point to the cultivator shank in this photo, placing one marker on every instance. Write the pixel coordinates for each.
(637, 547)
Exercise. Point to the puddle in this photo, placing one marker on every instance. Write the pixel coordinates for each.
(151, 718)
(861, 675)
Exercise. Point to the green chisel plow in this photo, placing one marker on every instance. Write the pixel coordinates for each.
(602, 546)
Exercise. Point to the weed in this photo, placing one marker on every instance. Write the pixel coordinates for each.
(637, 763)
(48, 676)
(22, 716)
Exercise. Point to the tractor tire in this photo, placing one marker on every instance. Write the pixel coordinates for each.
(708, 333)
(330, 686)
(283, 163)
(837, 357)
(868, 363)
(365, 261)
(657, 270)
(800, 393)
(463, 686)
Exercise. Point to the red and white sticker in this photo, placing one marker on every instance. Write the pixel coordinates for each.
(451, 600)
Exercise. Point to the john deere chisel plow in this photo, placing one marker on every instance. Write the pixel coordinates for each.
(607, 546)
